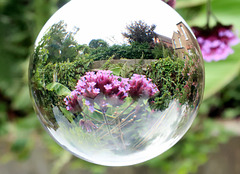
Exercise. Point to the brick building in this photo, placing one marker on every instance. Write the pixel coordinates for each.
(163, 39)
(183, 41)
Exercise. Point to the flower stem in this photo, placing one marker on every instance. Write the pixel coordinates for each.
(123, 111)
(107, 124)
(121, 133)
(86, 115)
(100, 112)
(208, 13)
(121, 124)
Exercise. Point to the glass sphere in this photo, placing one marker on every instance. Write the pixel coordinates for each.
(116, 82)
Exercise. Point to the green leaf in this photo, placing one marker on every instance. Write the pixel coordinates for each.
(67, 114)
(116, 70)
(59, 88)
(219, 74)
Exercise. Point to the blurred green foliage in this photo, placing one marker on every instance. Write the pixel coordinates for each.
(21, 20)
(225, 103)
(191, 152)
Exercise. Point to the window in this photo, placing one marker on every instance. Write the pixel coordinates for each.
(180, 42)
(174, 43)
(184, 32)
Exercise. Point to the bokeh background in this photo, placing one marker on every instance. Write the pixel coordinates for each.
(210, 146)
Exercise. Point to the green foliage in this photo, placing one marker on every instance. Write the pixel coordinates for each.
(3, 118)
(161, 50)
(134, 51)
(58, 88)
(19, 24)
(64, 74)
(56, 66)
(57, 45)
(192, 151)
(95, 43)
(15, 41)
(176, 78)
(22, 138)
(77, 163)
(225, 103)
(166, 74)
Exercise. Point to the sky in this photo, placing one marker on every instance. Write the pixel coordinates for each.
(107, 19)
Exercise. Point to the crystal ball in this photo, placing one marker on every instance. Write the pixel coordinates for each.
(116, 83)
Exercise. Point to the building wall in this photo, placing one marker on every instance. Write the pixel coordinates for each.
(183, 41)
(164, 40)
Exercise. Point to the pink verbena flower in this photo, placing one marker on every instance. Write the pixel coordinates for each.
(171, 3)
(216, 42)
(140, 86)
(73, 102)
(103, 88)
(92, 84)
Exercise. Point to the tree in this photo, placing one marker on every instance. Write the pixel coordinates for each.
(95, 43)
(58, 44)
(140, 32)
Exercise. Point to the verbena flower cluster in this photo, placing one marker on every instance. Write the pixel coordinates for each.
(73, 102)
(93, 87)
(171, 3)
(216, 42)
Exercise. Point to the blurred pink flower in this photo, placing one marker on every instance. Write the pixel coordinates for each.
(171, 3)
(216, 42)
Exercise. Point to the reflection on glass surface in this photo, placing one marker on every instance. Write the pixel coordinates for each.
(116, 83)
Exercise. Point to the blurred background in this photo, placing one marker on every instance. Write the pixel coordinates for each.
(210, 146)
